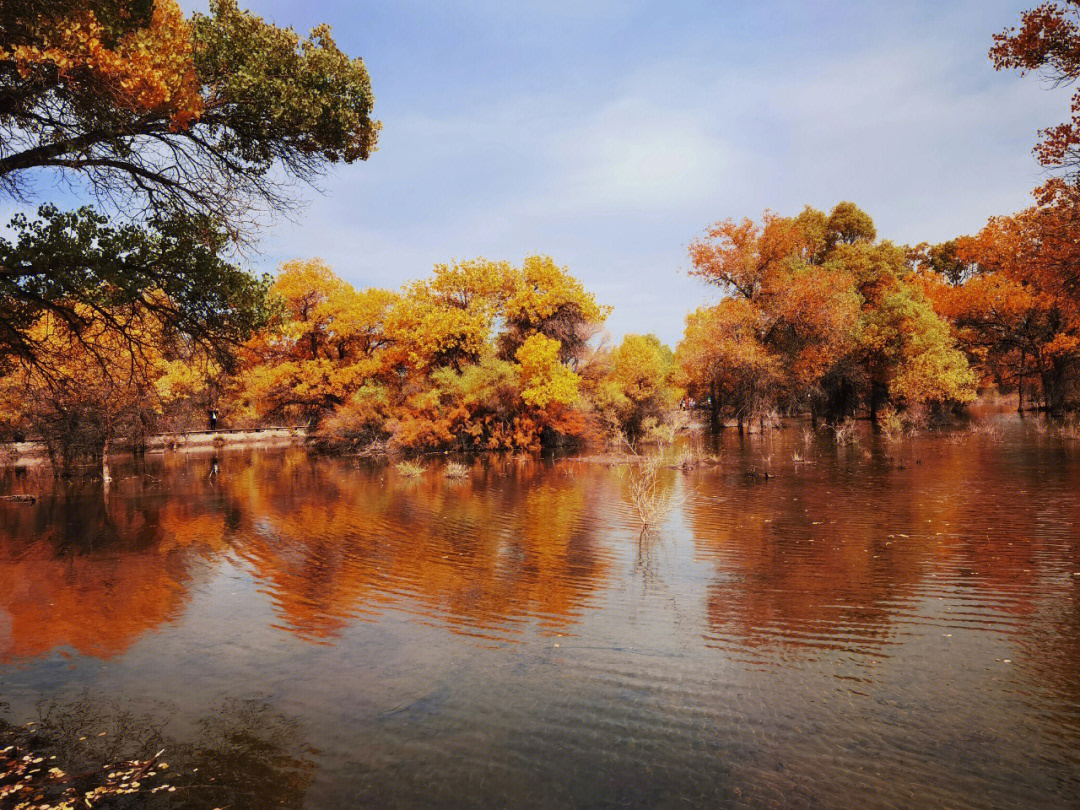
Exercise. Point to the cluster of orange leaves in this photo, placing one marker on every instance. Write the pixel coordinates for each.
(147, 70)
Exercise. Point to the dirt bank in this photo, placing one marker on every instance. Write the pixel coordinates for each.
(197, 440)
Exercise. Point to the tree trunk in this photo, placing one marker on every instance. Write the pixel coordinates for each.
(879, 394)
(1020, 384)
(714, 407)
(1054, 391)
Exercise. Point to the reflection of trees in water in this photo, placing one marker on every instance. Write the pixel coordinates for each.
(829, 555)
(515, 539)
(245, 754)
(94, 576)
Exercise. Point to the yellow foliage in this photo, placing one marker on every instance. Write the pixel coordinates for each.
(544, 380)
(150, 69)
(331, 342)
(448, 319)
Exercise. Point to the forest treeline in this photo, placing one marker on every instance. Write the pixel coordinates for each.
(482, 355)
(819, 317)
(131, 316)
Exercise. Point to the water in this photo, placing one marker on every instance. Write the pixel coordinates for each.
(878, 626)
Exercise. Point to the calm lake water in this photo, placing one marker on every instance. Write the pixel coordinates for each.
(882, 626)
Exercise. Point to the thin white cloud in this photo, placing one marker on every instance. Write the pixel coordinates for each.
(631, 155)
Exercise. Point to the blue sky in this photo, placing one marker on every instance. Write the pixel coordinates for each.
(610, 134)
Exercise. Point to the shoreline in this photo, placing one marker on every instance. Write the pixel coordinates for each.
(35, 452)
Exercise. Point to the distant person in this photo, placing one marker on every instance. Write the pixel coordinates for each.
(213, 418)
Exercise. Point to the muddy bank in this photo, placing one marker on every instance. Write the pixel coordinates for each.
(198, 440)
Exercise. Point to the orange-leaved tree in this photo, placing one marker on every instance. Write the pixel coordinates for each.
(330, 341)
(95, 383)
(1016, 309)
(819, 317)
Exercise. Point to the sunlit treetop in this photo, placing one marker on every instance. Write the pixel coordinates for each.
(739, 256)
(545, 299)
(147, 69)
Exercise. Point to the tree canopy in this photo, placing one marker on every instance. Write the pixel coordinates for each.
(156, 113)
(820, 317)
(180, 131)
(76, 267)
(1047, 41)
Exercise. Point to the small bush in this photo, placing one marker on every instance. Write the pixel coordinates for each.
(891, 424)
(650, 501)
(994, 431)
(410, 469)
(691, 459)
(455, 470)
(1069, 431)
(844, 432)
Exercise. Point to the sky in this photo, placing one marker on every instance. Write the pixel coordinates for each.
(609, 135)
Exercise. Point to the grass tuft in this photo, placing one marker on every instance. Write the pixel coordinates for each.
(455, 470)
(410, 469)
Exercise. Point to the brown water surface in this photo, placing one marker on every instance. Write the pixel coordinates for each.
(874, 626)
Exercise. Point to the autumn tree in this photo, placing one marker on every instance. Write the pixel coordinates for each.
(545, 381)
(543, 298)
(329, 341)
(98, 382)
(449, 319)
(642, 369)
(185, 128)
(155, 112)
(725, 362)
(1017, 312)
(76, 267)
(1047, 41)
(819, 317)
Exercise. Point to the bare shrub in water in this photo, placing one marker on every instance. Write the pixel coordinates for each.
(844, 432)
(994, 431)
(773, 420)
(1069, 431)
(917, 418)
(651, 502)
(891, 424)
(691, 459)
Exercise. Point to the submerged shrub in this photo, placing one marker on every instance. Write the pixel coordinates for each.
(845, 433)
(410, 469)
(455, 469)
(891, 424)
(650, 499)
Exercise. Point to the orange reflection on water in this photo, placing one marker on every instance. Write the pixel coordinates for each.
(838, 553)
(77, 573)
(326, 540)
(331, 543)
